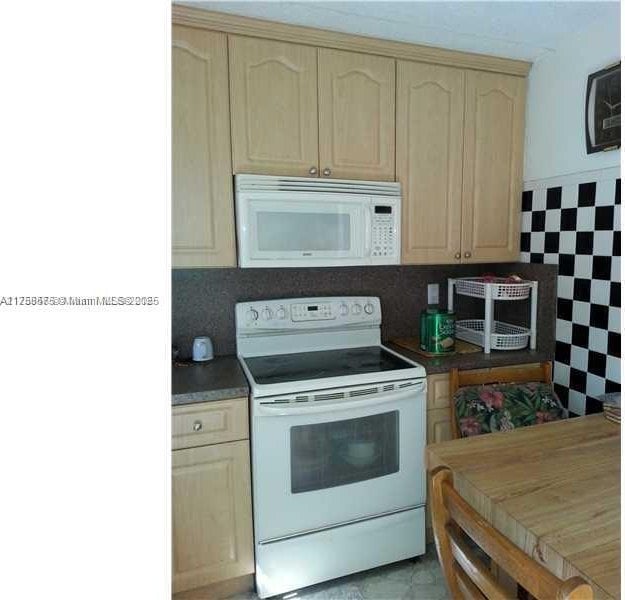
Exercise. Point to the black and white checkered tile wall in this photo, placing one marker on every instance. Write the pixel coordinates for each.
(576, 224)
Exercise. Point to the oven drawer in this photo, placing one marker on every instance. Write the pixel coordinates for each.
(209, 423)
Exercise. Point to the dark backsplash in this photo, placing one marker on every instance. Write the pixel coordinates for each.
(203, 299)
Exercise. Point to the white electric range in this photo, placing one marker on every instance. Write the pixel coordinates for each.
(338, 438)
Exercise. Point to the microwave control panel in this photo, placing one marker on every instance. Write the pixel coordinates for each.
(384, 231)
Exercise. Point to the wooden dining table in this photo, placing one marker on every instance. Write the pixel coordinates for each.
(552, 489)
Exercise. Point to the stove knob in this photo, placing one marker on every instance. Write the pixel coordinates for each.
(252, 315)
(266, 314)
(356, 309)
(369, 308)
(281, 314)
(344, 310)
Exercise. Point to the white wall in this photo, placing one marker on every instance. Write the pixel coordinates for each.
(555, 135)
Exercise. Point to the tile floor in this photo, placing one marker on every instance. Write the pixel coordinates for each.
(419, 579)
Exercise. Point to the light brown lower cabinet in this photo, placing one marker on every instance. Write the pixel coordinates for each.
(211, 509)
(438, 429)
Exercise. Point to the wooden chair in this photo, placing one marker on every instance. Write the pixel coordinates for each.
(521, 374)
(467, 576)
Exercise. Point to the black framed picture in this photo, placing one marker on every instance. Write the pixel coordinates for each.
(603, 110)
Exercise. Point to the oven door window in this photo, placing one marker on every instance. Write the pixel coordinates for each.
(326, 455)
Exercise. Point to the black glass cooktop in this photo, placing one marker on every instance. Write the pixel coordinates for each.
(302, 366)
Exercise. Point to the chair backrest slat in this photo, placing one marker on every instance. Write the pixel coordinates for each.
(452, 518)
(472, 566)
(467, 587)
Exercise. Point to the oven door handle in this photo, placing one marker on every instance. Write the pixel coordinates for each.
(325, 406)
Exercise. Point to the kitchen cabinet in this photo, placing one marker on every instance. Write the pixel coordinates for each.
(459, 160)
(438, 419)
(305, 111)
(202, 202)
(252, 96)
(356, 116)
(430, 115)
(493, 163)
(211, 495)
(273, 95)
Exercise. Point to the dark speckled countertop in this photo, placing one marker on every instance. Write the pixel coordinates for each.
(218, 379)
(477, 360)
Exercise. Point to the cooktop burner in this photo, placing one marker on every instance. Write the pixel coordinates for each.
(304, 366)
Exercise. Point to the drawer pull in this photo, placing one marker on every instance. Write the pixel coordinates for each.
(197, 425)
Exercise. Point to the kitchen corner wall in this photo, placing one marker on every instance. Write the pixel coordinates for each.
(203, 299)
(574, 222)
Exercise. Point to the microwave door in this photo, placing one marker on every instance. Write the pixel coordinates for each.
(305, 230)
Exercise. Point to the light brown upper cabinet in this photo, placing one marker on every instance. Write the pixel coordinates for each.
(202, 205)
(356, 116)
(273, 94)
(430, 114)
(303, 111)
(459, 160)
(493, 162)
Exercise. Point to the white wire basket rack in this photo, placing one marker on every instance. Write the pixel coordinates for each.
(487, 332)
(500, 288)
(504, 336)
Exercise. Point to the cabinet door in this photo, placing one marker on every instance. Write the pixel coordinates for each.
(212, 515)
(273, 95)
(494, 131)
(430, 114)
(356, 116)
(438, 391)
(202, 201)
(439, 425)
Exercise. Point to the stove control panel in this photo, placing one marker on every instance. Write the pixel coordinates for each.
(308, 313)
(320, 311)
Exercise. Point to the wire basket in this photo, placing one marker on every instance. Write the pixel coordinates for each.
(504, 336)
(476, 287)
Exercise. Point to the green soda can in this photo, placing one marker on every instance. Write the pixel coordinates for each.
(438, 331)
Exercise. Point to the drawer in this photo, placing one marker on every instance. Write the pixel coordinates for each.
(209, 423)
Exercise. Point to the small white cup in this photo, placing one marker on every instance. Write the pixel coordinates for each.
(202, 349)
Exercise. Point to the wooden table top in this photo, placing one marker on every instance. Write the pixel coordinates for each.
(552, 489)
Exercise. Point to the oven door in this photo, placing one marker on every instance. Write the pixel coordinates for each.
(301, 230)
(319, 465)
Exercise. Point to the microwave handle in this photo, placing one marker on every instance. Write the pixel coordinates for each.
(368, 231)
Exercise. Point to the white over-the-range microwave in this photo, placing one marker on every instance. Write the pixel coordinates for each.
(301, 222)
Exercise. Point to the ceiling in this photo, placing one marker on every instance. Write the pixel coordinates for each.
(523, 30)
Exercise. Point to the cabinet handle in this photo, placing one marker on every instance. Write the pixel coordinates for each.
(457, 255)
(327, 172)
(312, 170)
(467, 255)
(197, 425)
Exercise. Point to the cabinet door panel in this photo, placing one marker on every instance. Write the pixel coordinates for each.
(430, 114)
(202, 201)
(212, 520)
(273, 98)
(438, 391)
(356, 115)
(492, 167)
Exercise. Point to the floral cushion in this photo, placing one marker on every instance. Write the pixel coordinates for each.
(502, 407)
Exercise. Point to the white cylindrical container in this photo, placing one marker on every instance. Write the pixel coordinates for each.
(202, 349)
